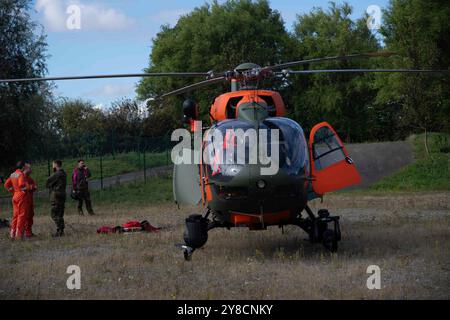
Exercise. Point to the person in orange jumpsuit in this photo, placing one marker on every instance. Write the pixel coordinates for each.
(16, 184)
(29, 201)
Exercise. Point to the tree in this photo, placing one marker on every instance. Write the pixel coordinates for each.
(417, 30)
(24, 107)
(123, 123)
(344, 100)
(212, 37)
(82, 127)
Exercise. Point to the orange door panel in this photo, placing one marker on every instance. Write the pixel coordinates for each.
(331, 166)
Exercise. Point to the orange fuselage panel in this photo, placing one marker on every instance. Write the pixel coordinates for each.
(226, 105)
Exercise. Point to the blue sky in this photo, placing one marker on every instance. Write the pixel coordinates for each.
(115, 37)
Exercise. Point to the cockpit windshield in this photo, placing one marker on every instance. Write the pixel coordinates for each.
(231, 144)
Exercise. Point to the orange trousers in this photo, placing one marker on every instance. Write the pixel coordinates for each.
(29, 215)
(19, 215)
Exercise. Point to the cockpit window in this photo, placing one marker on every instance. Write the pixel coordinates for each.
(233, 143)
(293, 147)
(326, 149)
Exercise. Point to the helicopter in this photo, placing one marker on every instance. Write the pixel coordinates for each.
(233, 190)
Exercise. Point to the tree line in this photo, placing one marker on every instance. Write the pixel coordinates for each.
(362, 107)
(219, 36)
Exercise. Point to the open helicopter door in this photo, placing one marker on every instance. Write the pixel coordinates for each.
(331, 166)
(186, 185)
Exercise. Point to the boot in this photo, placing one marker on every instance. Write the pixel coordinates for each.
(80, 212)
(89, 208)
(59, 233)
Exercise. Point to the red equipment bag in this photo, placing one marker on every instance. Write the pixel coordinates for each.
(146, 226)
(130, 226)
(105, 229)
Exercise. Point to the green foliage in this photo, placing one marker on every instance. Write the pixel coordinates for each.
(344, 100)
(426, 173)
(156, 190)
(112, 166)
(131, 195)
(417, 30)
(84, 130)
(219, 36)
(81, 127)
(362, 107)
(124, 117)
(438, 143)
(212, 37)
(25, 109)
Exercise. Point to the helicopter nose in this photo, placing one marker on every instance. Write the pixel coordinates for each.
(277, 185)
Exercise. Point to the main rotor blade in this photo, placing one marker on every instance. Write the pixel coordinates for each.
(192, 87)
(363, 71)
(347, 57)
(106, 76)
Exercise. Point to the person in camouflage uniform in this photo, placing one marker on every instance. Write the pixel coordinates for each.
(57, 184)
(80, 181)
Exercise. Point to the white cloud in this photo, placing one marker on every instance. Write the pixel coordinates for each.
(112, 90)
(54, 14)
(168, 16)
(99, 106)
(93, 16)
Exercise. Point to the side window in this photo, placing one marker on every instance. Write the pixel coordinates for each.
(326, 149)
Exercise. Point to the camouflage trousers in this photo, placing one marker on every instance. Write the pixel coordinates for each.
(57, 210)
(84, 196)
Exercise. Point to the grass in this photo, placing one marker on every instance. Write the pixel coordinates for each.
(426, 173)
(412, 252)
(406, 235)
(155, 191)
(112, 166)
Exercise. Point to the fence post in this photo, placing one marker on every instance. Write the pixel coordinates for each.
(139, 153)
(167, 149)
(101, 171)
(145, 167)
(113, 150)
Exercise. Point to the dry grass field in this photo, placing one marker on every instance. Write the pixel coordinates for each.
(406, 235)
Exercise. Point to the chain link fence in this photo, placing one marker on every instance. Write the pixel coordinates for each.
(112, 159)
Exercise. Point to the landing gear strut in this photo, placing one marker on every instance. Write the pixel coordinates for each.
(322, 228)
(196, 233)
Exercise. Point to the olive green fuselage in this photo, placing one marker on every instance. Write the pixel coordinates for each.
(241, 194)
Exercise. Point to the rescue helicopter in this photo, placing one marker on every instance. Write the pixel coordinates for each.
(237, 193)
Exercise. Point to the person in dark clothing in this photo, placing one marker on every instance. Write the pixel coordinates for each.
(57, 183)
(80, 177)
